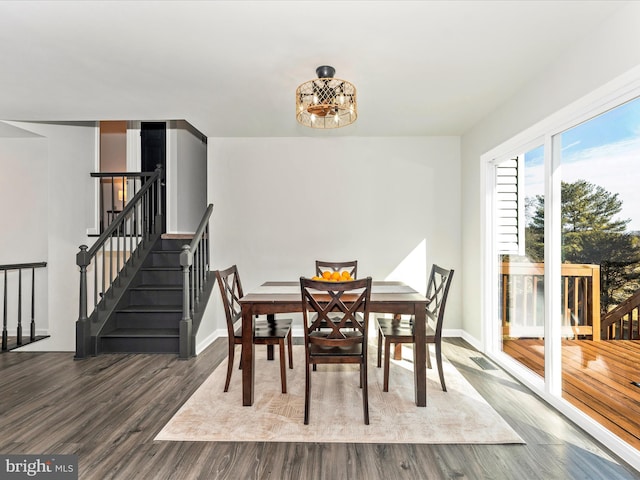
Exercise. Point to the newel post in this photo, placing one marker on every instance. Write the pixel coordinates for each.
(186, 260)
(83, 330)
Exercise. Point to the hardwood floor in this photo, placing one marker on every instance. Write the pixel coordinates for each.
(108, 409)
(596, 378)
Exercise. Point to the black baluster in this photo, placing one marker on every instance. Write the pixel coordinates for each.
(19, 332)
(32, 335)
(4, 318)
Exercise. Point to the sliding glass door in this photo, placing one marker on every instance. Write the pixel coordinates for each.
(565, 264)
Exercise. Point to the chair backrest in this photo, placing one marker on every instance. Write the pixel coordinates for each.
(231, 291)
(341, 307)
(437, 292)
(351, 267)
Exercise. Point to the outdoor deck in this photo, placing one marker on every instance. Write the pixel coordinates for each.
(597, 377)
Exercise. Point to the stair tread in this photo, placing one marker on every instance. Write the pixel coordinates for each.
(160, 269)
(157, 286)
(143, 332)
(151, 308)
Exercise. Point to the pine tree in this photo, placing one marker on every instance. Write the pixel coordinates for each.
(591, 234)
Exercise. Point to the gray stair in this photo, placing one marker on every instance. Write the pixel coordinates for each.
(147, 319)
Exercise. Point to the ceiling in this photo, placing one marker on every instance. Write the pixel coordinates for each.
(231, 68)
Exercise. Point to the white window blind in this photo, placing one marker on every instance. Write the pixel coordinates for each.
(510, 207)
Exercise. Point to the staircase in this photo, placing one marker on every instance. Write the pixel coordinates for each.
(142, 291)
(147, 317)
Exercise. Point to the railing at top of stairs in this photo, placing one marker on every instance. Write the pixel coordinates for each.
(195, 261)
(19, 267)
(137, 226)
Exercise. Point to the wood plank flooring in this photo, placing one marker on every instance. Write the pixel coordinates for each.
(596, 378)
(108, 409)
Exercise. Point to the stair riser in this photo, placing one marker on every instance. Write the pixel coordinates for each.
(164, 259)
(140, 345)
(173, 244)
(148, 320)
(155, 297)
(171, 277)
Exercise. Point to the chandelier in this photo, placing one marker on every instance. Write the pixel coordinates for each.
(326, 102)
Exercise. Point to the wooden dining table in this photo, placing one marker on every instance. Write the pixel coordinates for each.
(392, 297)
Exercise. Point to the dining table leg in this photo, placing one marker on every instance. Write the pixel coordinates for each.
(248, 371)
(420, 355)
(271, 319)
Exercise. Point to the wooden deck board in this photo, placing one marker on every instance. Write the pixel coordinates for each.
(596, 378)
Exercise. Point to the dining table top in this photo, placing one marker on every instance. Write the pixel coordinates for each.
(288, 291)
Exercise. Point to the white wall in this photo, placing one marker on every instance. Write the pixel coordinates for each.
(70, 157)
(606, 53)
(23, 216)
(191, 181)
(391, 203)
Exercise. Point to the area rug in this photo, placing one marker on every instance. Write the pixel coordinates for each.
(459, 415)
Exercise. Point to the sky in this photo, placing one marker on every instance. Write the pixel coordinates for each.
(604, 151)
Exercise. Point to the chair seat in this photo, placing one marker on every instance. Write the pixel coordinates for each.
(400, 329)
(279, 328)
(320, 351)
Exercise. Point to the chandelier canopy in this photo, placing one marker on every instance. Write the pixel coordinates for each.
(326, 102)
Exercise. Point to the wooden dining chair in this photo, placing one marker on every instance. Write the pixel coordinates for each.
(398, 331)
(351, 267)
(266, 332)
(326, 266)
(345, 339)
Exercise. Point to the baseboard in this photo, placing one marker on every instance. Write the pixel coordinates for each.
(205, 342)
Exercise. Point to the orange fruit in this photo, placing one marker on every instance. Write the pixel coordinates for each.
(316, 278)
(326, 274)
(335, 276)
(345, 275)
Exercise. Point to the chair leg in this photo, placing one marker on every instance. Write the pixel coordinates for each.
(283, 368)
(307, 392)
(387, 354)
(439, 362)
(379, 347)
(365, 391)
(232, 349)
(290, 345)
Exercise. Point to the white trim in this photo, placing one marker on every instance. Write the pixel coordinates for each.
(95, 229)
(133, 146)
(205, 342)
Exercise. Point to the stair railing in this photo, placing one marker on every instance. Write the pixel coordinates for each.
(116, 190)
(136, 226)
(195, 261)
(623, 322)
(19, 268)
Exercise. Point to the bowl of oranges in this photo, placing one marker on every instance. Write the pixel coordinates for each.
(329, 276)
